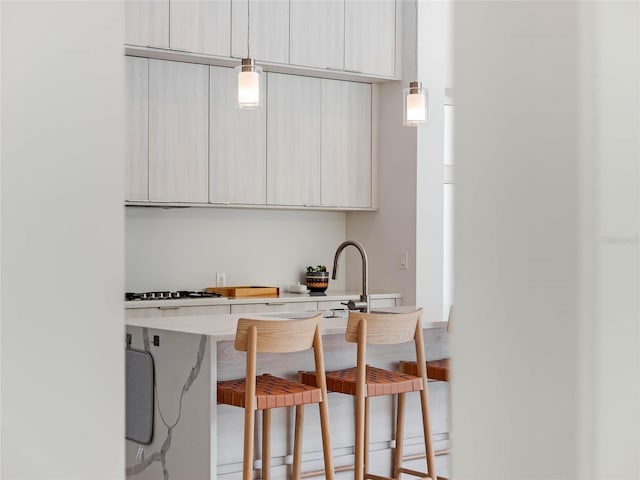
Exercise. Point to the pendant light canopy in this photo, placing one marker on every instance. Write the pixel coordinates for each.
(249, 95)
(415, 105)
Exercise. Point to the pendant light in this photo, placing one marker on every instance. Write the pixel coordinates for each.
(415, 105)
(249, 95)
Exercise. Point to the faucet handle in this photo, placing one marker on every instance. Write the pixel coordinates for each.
(351, 305)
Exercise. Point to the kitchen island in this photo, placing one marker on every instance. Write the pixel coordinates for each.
(194, 438)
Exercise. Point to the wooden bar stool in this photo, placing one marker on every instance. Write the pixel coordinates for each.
(437, 370)
(266, 392)
(365, 381)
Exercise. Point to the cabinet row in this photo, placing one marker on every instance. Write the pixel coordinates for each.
(309, 145)
(349, 35)
(274, 306)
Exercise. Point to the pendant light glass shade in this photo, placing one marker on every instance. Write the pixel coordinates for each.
(249, 95)
(415, 105)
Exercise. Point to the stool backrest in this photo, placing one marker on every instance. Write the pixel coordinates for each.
(384, 328)
(277, 335)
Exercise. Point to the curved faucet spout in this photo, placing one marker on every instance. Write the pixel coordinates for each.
(363, 305)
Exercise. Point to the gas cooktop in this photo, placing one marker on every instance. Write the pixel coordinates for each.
(168, 295)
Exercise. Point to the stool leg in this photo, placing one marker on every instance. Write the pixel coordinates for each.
(358, 471)
(297, 442)
(397, 456)
(247, 464)
(326, 439)
(366, 435)
(428, 440)
(266, 443)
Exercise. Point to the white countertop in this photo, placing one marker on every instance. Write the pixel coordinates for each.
(283, 297)
(223, 327)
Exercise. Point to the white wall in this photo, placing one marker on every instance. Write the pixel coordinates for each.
(546, 339)
(168, 249)
(62, 270)
(391, 230)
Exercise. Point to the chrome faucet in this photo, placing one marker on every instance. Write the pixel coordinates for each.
(363, 304)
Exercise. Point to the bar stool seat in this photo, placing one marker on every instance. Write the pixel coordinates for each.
(271, 392)
(364, 381)
(378, 381)
(265, 392)
(436, 369)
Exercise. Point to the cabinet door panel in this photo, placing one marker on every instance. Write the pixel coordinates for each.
(317, 33)
(137, 129)
(147, 23)
(293, 140)
(346, 144)
(238, 167)
(178, 132)
(370, 36)
(201, 26)
(269, 35)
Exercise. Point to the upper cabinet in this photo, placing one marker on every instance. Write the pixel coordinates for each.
(147, 23)
(346, 144)
(355, 37)
(293, 140)
(319, 142)
(317, 33)
(370, 36)
(237, 144)
(137, 129)
(201, 26)
(178, 132)
(310, 145)
(268, 37)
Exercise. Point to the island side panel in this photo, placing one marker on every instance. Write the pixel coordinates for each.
(338, 354)
(182, 362)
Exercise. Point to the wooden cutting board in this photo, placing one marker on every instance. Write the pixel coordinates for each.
(245, 291)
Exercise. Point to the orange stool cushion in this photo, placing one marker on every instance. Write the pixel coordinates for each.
(271, 392)
(436, 369)
(379, 381)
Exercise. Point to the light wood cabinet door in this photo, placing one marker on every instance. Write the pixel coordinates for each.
(269, 30)
(237, 144)
(201, 26)
(293, 139)
(147, 23)
(346, 144)
(137, 128)
(370, 36)
(178, 132)
(317, 33)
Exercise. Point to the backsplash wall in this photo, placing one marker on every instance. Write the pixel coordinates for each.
(183, 248)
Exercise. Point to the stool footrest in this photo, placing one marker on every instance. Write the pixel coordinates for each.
(415, 473)
(371, 476)
(416, 456)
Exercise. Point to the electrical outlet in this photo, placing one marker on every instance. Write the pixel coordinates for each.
(221, 279)
(404, 260)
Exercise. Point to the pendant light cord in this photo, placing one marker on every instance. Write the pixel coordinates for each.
(417, 41)
(248, 26)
